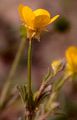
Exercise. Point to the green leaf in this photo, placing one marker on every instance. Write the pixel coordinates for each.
(47, 75)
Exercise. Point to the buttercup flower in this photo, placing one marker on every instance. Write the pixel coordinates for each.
(71, 58)
(36, 20)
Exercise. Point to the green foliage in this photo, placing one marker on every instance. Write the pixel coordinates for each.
(23, 92)
(62, 25)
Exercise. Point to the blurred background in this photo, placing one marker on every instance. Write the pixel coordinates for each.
(61, 34)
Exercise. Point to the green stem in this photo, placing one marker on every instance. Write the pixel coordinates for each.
(12, 71)
(29, 82)
(29, 70)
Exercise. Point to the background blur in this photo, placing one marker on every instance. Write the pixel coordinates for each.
(52, 45)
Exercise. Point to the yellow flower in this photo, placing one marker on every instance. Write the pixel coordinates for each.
(71, 57)
(36, 20)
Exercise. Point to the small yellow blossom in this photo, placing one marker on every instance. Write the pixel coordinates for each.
(71, 58)
(36, 20)
(57, 65)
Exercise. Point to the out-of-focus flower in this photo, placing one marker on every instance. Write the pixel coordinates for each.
(36, 20)
(71, 58)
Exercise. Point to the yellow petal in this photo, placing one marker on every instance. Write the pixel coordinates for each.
(71, 54)
(20, 8)
(39, 12)
(42, 18)
(71, 57)
(54, 18)
(28, 16)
